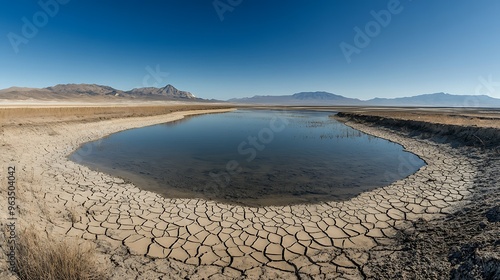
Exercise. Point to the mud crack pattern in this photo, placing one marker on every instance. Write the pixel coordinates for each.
(147, 236)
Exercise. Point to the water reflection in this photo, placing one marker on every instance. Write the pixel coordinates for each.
(253, 158)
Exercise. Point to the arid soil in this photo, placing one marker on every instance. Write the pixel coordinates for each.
(49, 112)
(464, 244)
(446, 116)
(438, 223)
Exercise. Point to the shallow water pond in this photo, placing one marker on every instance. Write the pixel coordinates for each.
(252, 157)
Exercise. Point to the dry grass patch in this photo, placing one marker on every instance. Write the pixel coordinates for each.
(90, 113)
(40, 257)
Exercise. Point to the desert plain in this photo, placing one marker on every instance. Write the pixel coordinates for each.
(441, 222)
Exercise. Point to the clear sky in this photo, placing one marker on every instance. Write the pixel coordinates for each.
(239, 48)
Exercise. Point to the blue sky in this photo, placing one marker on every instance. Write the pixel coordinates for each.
(260, 47)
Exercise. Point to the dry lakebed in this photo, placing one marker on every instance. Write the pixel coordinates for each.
(440, 222)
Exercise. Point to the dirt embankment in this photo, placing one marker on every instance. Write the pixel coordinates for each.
(456, 135)
(462, 245)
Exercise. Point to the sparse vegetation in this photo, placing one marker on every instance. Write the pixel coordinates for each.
(73, 215)
(40, 257)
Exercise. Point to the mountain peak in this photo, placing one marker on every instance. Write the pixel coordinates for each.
(81, 90)
(439, 99)
(316, 95)
(168, 90)
(91, 89)
(301, 98)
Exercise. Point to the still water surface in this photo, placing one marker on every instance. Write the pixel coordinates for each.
(252, 157)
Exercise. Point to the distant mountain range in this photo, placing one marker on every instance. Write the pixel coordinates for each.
(69, 91)
(321, 98)
(169, 92)
(301, 98)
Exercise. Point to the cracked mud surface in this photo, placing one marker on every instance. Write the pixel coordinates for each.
(143, 235)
